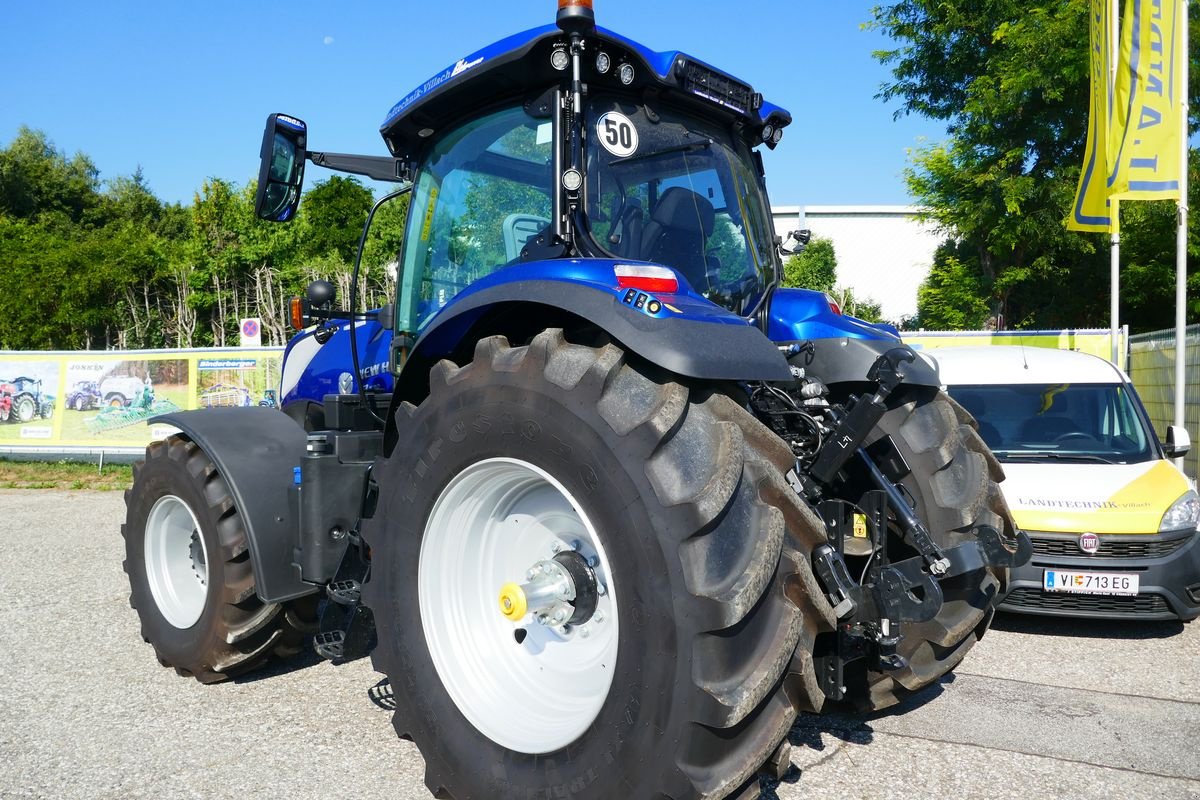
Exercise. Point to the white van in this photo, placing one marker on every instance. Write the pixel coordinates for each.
(1113, 522)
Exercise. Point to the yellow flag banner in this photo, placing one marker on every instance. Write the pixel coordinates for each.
(1091, 210)
(1144, 148)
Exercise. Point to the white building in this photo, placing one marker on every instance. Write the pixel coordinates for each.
(883, 252)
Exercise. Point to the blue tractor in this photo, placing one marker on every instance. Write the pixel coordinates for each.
(606, 505)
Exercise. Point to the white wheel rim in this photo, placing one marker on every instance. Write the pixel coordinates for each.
(176, 561)
(494, 521)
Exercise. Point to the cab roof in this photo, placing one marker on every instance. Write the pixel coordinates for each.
(1015, 364)
(519, 65)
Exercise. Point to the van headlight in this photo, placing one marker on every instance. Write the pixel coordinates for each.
(1183, 513)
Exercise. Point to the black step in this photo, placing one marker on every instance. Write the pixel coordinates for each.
(330, 644)
(347, 593)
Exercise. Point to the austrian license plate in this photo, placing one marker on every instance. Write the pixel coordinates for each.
(1090, 582)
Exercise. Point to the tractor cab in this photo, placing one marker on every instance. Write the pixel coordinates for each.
(568, 141)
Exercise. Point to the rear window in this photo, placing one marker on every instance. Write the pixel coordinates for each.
(1079, 420)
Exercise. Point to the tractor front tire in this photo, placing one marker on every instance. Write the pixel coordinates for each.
(679, 680)
(190, 575)
(953, 483)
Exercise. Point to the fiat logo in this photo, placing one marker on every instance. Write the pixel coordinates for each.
(1089, 543)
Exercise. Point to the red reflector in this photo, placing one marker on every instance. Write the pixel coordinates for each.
(648, 279)
(833, 306)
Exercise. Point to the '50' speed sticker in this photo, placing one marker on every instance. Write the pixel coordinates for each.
(617, 134)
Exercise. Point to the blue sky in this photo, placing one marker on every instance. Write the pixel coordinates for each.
(183, 88)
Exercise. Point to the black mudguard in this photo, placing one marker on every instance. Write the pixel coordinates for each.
(848, 360)
(716, 347)
(256, 450)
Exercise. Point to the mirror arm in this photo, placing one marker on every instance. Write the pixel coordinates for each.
(377, 168)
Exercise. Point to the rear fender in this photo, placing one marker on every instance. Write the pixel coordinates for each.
(681, 333)
(684, 334)
(256, 449)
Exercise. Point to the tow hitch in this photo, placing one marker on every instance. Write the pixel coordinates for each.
(873, 610)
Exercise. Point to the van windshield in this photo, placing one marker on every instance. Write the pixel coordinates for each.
(1067, 421)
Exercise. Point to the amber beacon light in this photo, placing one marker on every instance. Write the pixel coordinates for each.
(576, 16)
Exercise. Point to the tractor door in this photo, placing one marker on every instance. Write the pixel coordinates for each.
(483, 190)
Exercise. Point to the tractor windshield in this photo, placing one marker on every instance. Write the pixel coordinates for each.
(673, 188)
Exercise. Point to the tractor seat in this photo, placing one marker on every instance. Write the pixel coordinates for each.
(518, 229)
(677, 234)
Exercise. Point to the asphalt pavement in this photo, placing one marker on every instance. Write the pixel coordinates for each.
(1041, 707)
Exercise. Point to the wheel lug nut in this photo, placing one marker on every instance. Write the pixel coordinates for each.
(556, 547)
(601, 590)
(593, 561)
(598, 616)
(583, 632)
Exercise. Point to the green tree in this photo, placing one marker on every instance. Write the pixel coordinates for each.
(1010, 80)
(952, 296)
(36, 178)
(334, 211)
(814, 267)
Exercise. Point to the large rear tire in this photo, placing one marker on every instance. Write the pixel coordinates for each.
(24, 408)
(190, 576)
(672, 492)
(953, 481)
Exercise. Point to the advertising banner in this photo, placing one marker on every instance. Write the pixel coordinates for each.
(102, 400)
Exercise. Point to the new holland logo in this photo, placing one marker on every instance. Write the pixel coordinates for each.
(1089, 543)
(463, 65)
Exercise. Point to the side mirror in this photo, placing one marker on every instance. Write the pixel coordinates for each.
(281, 171)
(795, 242)
(1178, 441)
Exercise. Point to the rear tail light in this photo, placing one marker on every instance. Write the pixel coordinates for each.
(833, 304)
(659, 280)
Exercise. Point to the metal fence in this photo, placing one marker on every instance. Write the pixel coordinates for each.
(1152, 368)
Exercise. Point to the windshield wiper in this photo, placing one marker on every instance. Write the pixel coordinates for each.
(1018, 455)
(679, 148)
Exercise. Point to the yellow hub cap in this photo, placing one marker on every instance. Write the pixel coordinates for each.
(513, 604)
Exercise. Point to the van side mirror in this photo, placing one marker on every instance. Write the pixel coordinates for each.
(281, 169)
(1178, 441)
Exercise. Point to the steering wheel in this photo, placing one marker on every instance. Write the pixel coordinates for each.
(1073, 435)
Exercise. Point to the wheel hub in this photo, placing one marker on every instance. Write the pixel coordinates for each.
(176, 561)
(557, 592)
(505, 535)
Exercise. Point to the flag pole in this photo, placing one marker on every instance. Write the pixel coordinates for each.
(1181, 231)
(1114, 303)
